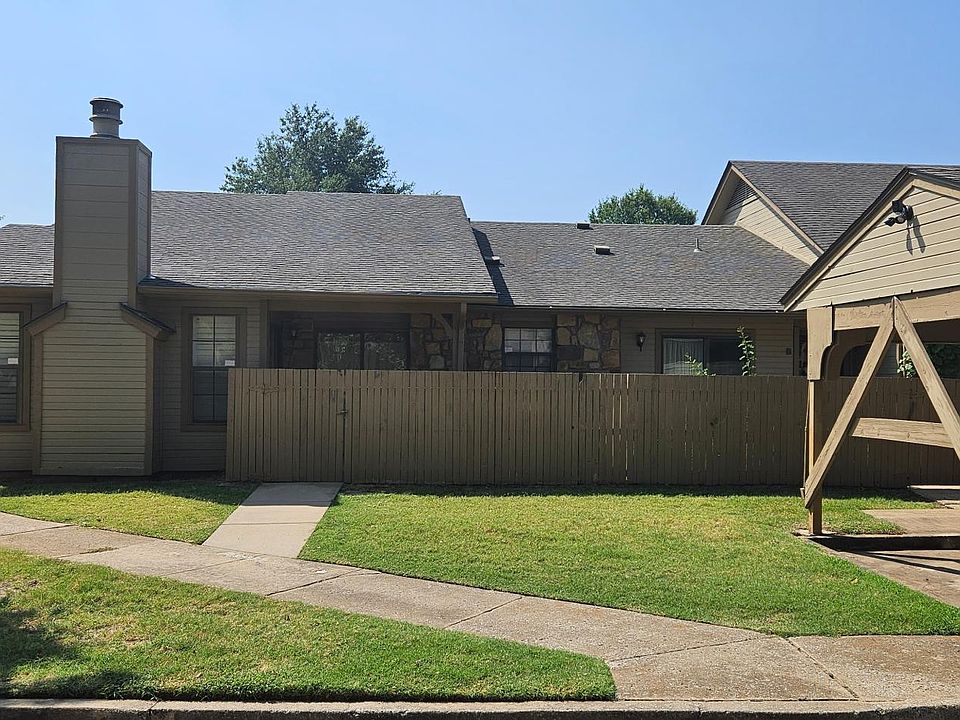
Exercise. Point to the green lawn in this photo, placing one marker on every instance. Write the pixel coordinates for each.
(83, 631)
(720, 558)
(169, 509)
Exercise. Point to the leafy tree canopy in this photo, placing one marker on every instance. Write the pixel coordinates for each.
(643, 207)
(313, 152)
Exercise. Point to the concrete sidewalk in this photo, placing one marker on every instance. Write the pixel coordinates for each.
(651, 657)
(275, 519)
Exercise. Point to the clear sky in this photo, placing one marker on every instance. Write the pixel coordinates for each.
(528, 110)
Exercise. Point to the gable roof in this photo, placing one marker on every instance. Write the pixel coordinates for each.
(822, 199)
(650, 266)
(26, 256)
(947, 175)
(308, 242)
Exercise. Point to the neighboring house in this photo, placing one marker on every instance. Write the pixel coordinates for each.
(631, 298)
(119, 322)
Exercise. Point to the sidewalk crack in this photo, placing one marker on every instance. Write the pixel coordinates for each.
(309, 584)
(618, 662)
(26, 532)
(824, 669)
(484, 612)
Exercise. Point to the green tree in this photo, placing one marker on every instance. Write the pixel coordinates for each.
(643, 207)
(313, 152)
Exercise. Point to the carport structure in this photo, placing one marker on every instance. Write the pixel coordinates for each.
(895, 273)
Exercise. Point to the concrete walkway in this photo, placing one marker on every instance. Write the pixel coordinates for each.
(933, 572)
(946, 495)
(929, 521)
(651, 657)
(276, 519)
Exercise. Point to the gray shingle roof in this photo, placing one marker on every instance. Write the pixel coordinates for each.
(313, 242)
(316, 242)
(26, 255)
(651, 266)
(823, 199)
(950, 173)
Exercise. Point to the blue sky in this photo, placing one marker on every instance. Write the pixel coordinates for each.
(528, 110)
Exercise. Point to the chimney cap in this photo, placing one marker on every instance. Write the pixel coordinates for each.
(106, 117)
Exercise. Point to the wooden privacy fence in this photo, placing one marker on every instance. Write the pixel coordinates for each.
(512, 429)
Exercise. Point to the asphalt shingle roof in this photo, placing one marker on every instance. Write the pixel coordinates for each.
(823, 199)
(316, 242)
(651, 266)
(26, 255)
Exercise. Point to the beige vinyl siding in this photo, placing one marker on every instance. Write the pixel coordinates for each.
(16, 444)
(143, 214)
(907, 258)
(748, 210)
(93, 222)
(16, 451)
(93, 382)
(773, 337)
(192, 449)
(93, 399)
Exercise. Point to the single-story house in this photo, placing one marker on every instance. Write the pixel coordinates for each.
(118, 323)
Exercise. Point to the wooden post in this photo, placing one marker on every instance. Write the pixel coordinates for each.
(462, 337)
(815, 438)
(819, 342)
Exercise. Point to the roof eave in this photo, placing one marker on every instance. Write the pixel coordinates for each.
(157, 289)
(715, 199)
(798, 290)
(638, 308)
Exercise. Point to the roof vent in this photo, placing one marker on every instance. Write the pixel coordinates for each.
(106, 117)
(602, 250)
(492, 259)
(583, 226)
(698, 248)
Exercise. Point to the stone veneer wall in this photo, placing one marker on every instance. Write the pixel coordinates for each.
(431, 348)
(590, 341)
(583, 342)
(484, 342)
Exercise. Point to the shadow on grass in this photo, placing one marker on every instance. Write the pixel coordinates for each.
(209, 487)
(23, 641)
(630, 490)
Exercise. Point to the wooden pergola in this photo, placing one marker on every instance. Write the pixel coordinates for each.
(895, 274)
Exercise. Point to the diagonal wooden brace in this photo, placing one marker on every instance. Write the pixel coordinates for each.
(946, 410)
(838, 432)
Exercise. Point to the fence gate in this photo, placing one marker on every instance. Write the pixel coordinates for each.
(286, 425)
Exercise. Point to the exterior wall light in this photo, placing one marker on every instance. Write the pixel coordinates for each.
(641, 336)
(899, 213)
